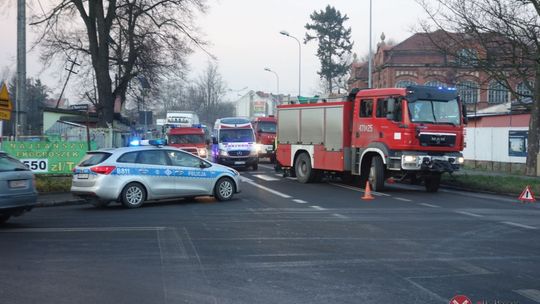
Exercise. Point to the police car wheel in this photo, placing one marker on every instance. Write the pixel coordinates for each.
(224, 189)
(133, 195)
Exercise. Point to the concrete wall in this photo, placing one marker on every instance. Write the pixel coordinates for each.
(490, 144)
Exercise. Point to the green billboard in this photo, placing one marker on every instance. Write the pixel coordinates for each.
(48, 157)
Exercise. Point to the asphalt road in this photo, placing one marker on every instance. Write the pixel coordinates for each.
(278, 241)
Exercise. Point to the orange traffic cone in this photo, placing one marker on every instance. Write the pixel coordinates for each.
(367, 192)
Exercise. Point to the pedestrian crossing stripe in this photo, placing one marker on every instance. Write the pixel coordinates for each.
(527, 195)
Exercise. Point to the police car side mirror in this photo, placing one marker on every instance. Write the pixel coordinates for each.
(203, 165)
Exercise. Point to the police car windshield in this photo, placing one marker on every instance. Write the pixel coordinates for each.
(267, 127)
(186, 139)
(435, 111)
(236, 135)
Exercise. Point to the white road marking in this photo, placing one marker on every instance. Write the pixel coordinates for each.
(279, 175)
(266, 166)
(532, 294)
(245, 179)
(358, 189)
(265, 177)
(318, 208)
(291, 178)
(519, 225)
(403, 199)
(299, 201)
(340, 216)
(85, 229)
(469, 213)
(268, 189)
(429, 205)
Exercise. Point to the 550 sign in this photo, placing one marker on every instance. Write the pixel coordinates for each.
(36, 165)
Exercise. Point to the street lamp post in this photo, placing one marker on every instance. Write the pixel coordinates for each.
(285, 33)
(277, 78)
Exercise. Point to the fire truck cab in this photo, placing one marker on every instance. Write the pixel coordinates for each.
(265, 134)
(415, 132)
(191, 139)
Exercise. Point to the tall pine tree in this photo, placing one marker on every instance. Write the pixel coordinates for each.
(335, 44)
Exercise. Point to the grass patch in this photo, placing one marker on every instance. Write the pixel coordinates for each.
(493, 183)
(48, 183)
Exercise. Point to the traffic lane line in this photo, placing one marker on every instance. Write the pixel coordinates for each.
(519, 225)
(318, 208)
(429, 205)
(403, 199)
(299, 201)
(532, 294)
(254, 184)
(359, 189)
(266, 166)
(469, 213)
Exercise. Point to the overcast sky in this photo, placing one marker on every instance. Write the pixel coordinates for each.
(244, 36)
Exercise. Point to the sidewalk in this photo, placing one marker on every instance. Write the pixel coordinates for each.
(58, 199)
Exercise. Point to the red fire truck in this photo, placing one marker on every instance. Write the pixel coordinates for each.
(414, 132)
(191, 139)
(265, 134)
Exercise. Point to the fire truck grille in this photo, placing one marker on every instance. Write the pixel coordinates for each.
(439, 140)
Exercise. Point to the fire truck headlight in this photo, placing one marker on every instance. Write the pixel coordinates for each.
(409, 159)
(223, 153)
(254, 151)
(202, 152)
(460, 160)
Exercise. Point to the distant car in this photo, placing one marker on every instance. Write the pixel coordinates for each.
(17, 188)
(133, 175)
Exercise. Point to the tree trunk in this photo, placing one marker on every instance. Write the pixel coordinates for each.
(534, 127)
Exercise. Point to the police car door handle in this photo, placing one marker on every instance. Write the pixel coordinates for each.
(143, 171)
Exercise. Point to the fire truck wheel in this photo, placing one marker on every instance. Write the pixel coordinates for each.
(302, 168)
(376, 174)
(432, 182)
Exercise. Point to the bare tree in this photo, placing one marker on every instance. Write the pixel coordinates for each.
(508, 34)
(121, 40)
(210, 90)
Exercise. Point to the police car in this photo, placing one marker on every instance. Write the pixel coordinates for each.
(133, 175)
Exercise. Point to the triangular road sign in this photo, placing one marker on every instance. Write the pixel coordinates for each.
(5, 101)
(527, 195)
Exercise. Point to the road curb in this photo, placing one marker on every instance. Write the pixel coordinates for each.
(60, 203)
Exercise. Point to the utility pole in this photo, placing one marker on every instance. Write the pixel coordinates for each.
(70, 71)
(20, 118)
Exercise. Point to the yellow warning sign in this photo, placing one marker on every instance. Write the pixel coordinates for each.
(5, 101)
(5, 114)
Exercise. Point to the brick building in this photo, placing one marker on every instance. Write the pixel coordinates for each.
(418, 60)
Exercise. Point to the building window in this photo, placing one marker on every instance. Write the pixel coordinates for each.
(405, 83)
(497, 93)
(467, 57)
(435, 83)
(468, 90)
(523, 92)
